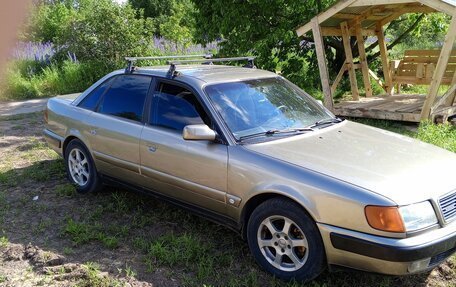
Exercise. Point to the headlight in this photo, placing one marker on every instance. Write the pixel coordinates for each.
(418, 216)
(401, 219)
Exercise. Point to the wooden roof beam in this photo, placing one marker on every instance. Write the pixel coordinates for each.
(439, 6)
(325, 15)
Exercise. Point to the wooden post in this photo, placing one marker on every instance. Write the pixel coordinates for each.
(363, 59)
(384, 56)
(349, 60)
(321, 56)
(440, 69)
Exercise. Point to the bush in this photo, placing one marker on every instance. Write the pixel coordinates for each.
(69, 77)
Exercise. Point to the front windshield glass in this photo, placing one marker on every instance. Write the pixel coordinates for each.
(256, 106)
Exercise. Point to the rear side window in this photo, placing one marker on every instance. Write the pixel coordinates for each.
(90, 101)
(126, 97)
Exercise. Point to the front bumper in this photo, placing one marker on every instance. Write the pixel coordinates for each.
(392, 256)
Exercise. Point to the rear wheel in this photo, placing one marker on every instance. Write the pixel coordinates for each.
(80, 167)
(285, 241)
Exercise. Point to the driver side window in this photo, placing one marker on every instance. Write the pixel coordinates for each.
(175, 107)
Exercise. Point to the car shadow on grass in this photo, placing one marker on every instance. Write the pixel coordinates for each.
(133, 235)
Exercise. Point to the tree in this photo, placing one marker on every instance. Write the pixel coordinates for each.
(94, 30)
(173, 19)
(106, 32)
(267, 30)
(50, 21)
(263, 28)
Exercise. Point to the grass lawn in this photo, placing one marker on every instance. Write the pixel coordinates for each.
(52, 236)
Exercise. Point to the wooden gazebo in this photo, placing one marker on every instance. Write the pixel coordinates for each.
(362, 18)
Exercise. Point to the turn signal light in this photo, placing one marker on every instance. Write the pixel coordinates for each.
(385, 218)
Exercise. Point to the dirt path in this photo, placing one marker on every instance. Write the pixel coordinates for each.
(22, 107)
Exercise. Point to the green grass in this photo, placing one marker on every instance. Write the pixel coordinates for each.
(85, 232)
(67, 77)
(441, 135)
(66, 190)
(3, 241)
(94, 277)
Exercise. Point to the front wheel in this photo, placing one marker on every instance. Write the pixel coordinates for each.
(285, 241)
(80, 167)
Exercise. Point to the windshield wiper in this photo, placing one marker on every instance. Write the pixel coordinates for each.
(276, 131)
(327, 121)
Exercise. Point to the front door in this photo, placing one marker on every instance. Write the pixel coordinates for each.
(192, 171)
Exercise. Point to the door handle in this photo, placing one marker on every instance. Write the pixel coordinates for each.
(152, 148)
(93, 132)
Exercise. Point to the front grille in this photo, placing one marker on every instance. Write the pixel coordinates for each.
(440, 257)
(448, 206)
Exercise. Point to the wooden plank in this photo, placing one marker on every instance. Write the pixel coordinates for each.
(335, 31)
(324, 16)
(443, 114)
(349, 61)
(411, 107)
(384, 57)
(338, 79)
(363, 60)
(451, 98)
(430, 53)
(377, 79)
(321, 57)
(442, 101)
(440, 68)
(384, 115)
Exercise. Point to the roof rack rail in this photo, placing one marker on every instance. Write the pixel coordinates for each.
(210, 61)
(131, 61)
(203, 59)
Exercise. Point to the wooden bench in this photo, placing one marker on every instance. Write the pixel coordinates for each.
(417, 68)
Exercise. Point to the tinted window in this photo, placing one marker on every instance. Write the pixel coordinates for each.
(175, 107)
(126, 97)
(90, 102)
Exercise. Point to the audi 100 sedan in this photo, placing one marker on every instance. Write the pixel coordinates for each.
(248, 149)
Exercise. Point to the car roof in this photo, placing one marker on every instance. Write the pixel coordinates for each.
(207, 74)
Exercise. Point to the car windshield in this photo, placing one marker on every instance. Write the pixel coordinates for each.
(265, 105)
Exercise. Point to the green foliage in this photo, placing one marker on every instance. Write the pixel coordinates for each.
(265, 29)
(427, 34)
(50, 23)
(178, 27)
(172, 19)
(106, 32)
(68, 77)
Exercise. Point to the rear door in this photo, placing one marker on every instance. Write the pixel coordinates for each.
(117, 124)
(192, 171)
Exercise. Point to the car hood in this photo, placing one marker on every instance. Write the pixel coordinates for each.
(400, 168)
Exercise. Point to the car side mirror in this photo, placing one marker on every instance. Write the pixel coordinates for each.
(198, 132)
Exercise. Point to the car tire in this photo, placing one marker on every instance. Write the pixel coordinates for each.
(291, 245)
(80, 168)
